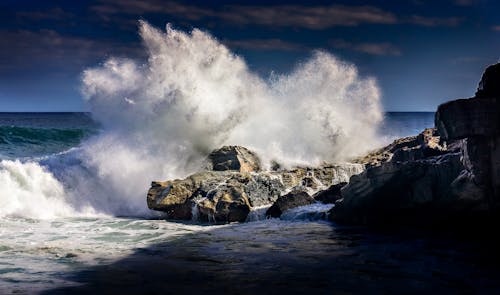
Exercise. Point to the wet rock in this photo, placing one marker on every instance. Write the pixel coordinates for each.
(227, 204)
(234, 158)
(330, 195)
(175, 197)
(229, 195)
(289, 201)
(178, 197)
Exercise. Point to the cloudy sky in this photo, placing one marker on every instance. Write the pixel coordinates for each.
(422, 52)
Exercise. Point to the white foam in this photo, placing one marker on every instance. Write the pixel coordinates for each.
(194, 95)
(30, 191)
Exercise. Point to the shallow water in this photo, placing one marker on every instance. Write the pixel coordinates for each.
(36, 254)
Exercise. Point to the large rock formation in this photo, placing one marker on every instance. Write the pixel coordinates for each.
(453, 177)
(477, 122)
(228, 195)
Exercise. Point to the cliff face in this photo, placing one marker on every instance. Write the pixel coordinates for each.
(477, 122)
(452, 176)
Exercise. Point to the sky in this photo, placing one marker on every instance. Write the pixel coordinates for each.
(421, 52)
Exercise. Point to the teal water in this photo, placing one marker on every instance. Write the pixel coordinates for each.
(25, 135)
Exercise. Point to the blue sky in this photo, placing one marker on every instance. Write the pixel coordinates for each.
(421, 52)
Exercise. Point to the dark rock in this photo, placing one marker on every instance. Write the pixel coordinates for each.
(490, 82)
(331, 194)
(262, 189)
(464, 118)
(235, 158)
(451, 180)
(400, 192)
(289, 201)
(228, 203)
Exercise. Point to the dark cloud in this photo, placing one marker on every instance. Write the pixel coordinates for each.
(435, 21)
(56, 13)
(464, 2)
(265, 44)
(28, 49)
(382, 49)
(311, 17)
(496, 28)
(298, 16)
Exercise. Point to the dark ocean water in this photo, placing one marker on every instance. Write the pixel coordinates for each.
(24, 135)
(96, 254)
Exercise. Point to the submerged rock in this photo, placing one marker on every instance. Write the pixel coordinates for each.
(291, 200)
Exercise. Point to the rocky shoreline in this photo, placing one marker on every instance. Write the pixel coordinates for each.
(238, 186)
(446, 175)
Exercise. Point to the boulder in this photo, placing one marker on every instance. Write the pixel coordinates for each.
(289, 201)
(235, 158)
(228, 203)
(214, 190)
(330, 195)
(176, 197)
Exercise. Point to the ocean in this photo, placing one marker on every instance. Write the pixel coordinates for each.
(61, 232)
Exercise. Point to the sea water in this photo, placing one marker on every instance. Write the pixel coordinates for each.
(48, 251)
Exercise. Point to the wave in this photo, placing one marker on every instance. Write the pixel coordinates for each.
(30, 190)
(19, 142)
(159, 119)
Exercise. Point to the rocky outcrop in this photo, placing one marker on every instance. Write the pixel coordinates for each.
(395, 192)
(331, 194)
(289, 201)
(235, 158)
(411, 148)
(229, 195)
(477, 121)
(452, 177)
(213, 195)
(489, 86)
